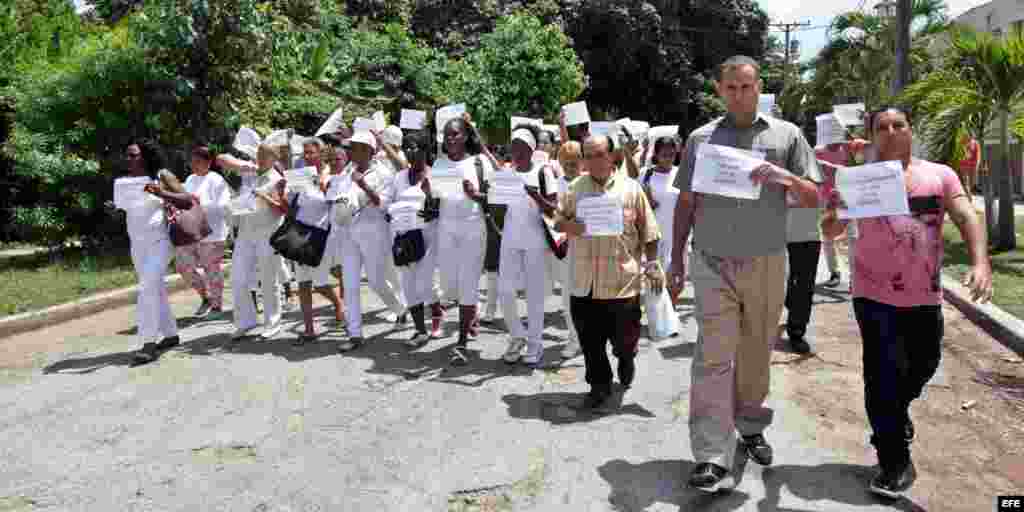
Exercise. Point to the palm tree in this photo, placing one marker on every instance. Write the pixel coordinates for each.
(979, 85)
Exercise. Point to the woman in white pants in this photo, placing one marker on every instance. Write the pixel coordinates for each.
(524, 250)
(151, 253)
(570, 157)
(658, 182)
(253, 258)
(368, 241)
(412, 187)
(461, 235)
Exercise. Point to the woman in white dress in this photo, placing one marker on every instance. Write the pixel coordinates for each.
(658, 181)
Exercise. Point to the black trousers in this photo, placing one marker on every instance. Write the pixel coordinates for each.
(599, 322)
(803, 270)
(902, 349)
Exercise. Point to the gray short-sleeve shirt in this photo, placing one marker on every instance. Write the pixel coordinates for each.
(725, 226)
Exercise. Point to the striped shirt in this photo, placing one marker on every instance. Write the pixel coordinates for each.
(608, 267)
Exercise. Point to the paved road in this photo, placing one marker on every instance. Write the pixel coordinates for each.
(265, 426)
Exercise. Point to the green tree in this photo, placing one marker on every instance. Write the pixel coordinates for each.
(979, 89)
(523, 67)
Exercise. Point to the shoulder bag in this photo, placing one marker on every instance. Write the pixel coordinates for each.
(298, 241)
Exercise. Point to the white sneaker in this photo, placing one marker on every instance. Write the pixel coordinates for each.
(571, 349)
(515, 349)
(271, 331)
(242, 332)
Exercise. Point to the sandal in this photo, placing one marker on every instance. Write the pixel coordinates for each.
(457, 357)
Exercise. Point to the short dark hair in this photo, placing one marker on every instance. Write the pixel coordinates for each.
(735, 62)
(870, 128)
(152, 157)
(202, 151)
(473, 144)
(666, 141)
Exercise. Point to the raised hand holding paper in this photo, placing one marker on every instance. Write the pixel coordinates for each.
(872, 190)
(412, 119)
(601, 215)
(725, 171)
(576, 113)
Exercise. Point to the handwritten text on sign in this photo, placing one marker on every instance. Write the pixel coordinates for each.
(602, 215)
(725, 171)
(873, 190)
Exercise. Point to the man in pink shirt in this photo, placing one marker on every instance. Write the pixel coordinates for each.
(897, 292)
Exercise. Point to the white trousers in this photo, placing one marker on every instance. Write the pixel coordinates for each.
(368, 246)
(418, 278)
(461, 256)
(558, 272)
(153, 310)
(524, 268)
(254, 260)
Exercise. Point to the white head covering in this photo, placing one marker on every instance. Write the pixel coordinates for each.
(526, 137)
(364, 137)
(392, 135)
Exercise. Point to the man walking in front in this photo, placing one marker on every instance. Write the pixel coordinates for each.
(738, 272)
(606, 266)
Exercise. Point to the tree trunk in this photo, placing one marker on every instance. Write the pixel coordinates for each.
(989, 191)
(1007, 235)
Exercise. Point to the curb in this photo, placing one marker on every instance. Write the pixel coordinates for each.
(53, 315)
(1004, 327)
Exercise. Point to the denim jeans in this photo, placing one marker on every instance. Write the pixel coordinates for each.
(902, 348)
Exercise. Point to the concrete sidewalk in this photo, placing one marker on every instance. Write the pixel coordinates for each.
(265, 426)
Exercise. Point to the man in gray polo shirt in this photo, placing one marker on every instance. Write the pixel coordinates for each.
(738, 269)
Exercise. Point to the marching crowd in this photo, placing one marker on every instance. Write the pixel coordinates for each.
(747, 260)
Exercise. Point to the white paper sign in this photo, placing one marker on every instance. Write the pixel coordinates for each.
(829, 130)
(639, 129)
(405, 216)
(506, 188)
(602, 128)
(379, 121)
(246, 141)
(601, 215)
(576, 113)
(446, 181)
(129, 193)
(766, 104)
(850, 114)
(446, 113)
(303, 179)
(872, 190)
(662, 131)
(725, 171)
(412, 119)
(332, 124)
(362, 124)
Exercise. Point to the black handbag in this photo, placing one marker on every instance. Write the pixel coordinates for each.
(557, 242)
(410, 247)
(298, 241)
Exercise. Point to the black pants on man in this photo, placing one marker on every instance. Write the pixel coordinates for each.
(599, 322)
(902, 349)
(803, 271)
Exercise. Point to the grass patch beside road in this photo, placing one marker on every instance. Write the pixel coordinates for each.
(33, 282)
(1007, 267)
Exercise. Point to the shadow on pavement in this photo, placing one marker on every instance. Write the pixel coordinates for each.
(88, 365)
(679, 351)
(639, 486)
(841, 483)
(567, 408)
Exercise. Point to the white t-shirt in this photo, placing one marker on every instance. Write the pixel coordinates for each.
(523, 228)
(461, 208)
(379, 180)
(314, 210)
(214, 196)
(260, 224)
(145, 220)
(408, 193)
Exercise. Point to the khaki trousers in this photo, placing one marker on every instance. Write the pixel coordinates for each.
(738, 301)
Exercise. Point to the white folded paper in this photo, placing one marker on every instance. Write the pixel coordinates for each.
(379, 121)
(657, 132)
(766, 104)
(362, 124)
(601, 215)
(725, 171)
(412, 119)
(576, 113)
(303, 179)
(850, 114)
(872, 190)
(129, 193)
(332, 124)
(246, 141)
(506, 188)
(830, 131)
(446, 181)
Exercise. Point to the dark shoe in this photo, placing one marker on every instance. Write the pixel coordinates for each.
(457, 357)
(402, 319)
(418, 314)
(474, 324)
(758, 449)
(204, 308)
(169, 343)
(833, 280)
(596, 399)
(305, 338)
(627, 370)
(799, 345)
(711, 477)
(350, 344)
(147, 354)
(892, 484)
(215, 314)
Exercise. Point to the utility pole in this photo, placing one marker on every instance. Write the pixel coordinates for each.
(788, 28)
(903, 14)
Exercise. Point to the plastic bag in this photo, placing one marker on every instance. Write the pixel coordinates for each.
(662, 320)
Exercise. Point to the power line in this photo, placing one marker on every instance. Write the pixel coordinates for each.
(788, 28)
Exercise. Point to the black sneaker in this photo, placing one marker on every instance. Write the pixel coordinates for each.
(833, 280)
(203, 309)
(596, 399)
(169, 343)
(147, 354)
(758, 449)
(711, 477)
(799, 345)
(627, 371)
(893, 484)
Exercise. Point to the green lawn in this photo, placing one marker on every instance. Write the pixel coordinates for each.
(33, 282)
(1007, 267)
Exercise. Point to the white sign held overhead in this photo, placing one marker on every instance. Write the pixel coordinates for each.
(447, 113)
(602, 128)
(576, 113)
(850, 114)
(658, 132)
(412, 119)
(380, 121)
(332, 124)
(829, 130)
(246, 141)
(362, 124)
